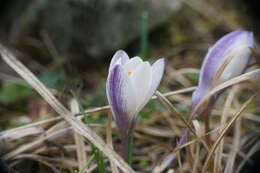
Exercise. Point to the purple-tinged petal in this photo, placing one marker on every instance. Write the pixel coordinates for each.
(121, 97)
(120, 57)
(237, 65)
(130, 85)
(217, 54)
(237, 44)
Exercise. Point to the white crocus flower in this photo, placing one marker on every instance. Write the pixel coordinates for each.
(227, 59)
(130, 85)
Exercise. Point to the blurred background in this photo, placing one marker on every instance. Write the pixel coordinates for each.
(68, 44)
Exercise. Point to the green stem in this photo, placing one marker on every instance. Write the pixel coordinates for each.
(127, 152)
(144, 31)
(100, 161)
(129, 155)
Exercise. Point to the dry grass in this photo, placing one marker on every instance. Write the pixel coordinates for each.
(65, 142)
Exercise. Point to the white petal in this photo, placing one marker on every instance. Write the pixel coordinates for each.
(131, 98)
(157, 74)
(132, 64)
(120, 57)
(129, 94)
(141, 79)
(237, 65)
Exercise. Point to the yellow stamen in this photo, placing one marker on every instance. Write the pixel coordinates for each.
(129, 73)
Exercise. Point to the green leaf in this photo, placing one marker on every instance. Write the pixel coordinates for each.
(11, 93)
(193, 76)
(151, 107)
(182, 109)
(52, 79)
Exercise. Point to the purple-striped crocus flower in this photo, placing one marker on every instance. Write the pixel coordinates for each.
(130, 85)
(229, 56)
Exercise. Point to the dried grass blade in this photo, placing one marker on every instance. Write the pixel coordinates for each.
(11, 135)
(77, 125)
(32, 145)
(170, 157)
(168, 104)
(234, 148)
(8, 133)
(223, 132)
(253, 75)
(197, 158)
(110, 140)
(79, 140)
(218, 158)
(180, 163)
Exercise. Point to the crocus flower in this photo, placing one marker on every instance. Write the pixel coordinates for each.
(229, 56)
(130, 85)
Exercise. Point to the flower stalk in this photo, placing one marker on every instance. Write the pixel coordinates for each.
(127, 148)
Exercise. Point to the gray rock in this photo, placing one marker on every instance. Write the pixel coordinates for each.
(90, 27)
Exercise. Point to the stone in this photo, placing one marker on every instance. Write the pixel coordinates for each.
(89, 28)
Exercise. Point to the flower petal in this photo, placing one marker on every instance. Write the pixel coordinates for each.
(237, 65)
(236, 43)
(157, 74)
(141, 79)
(120, 57)
(129, 87)
(217, 54)
(121, 97)
(132, 64)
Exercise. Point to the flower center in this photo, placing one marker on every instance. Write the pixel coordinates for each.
(129, 73)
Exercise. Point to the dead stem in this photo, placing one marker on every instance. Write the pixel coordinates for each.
(207, 126)
(10, 134)
(110, 140)
(223, 132)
